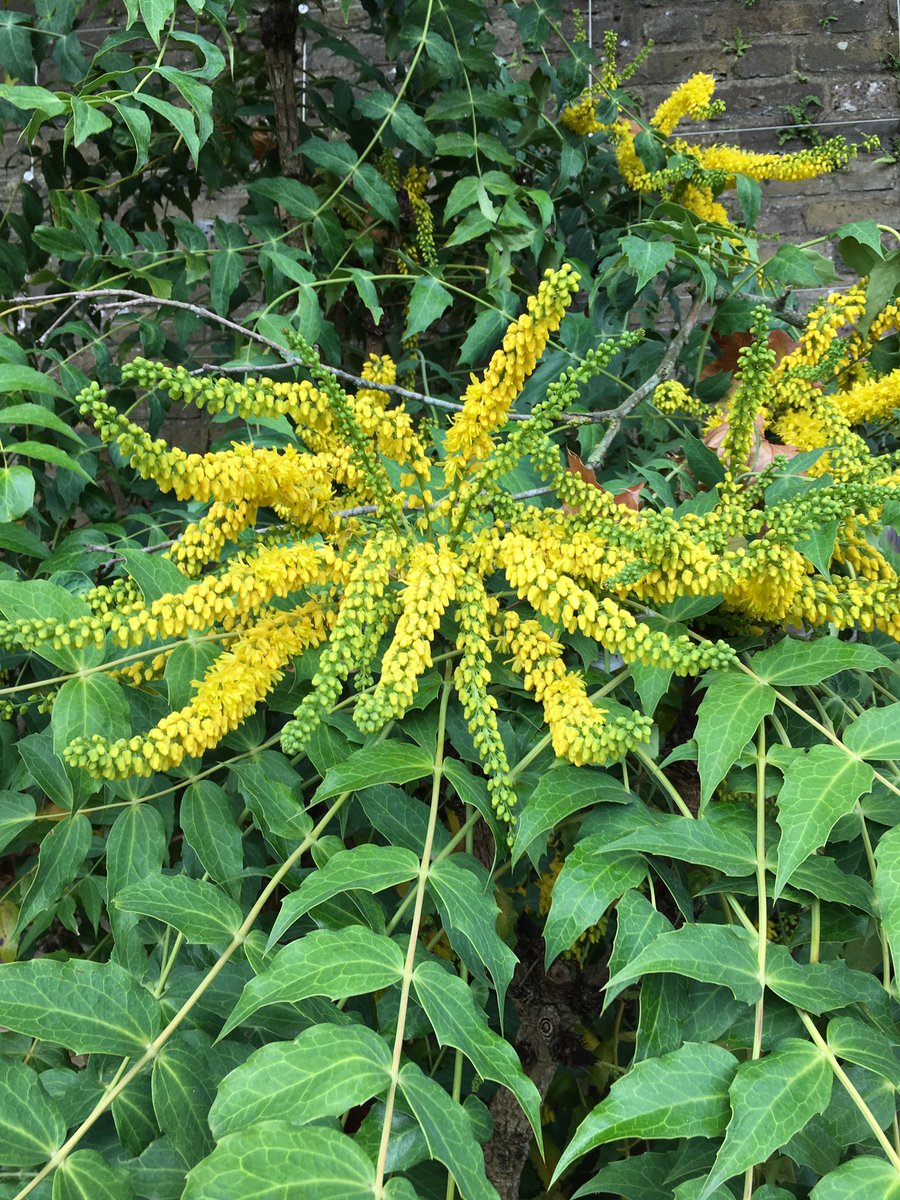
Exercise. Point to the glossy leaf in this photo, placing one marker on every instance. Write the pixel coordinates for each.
(819, 788)
(872, 1178)
(386, 762)
(31, 1127)
(887, 888)
(730, 713)
(62, 852)
(558, 794)
(875, 733)
(366, 868)
(681, 1094)
(771, 1099)
(332, 963)
(88, 1007)
(794, 662)
(183, 1088)
(86, 1175)
(818, 987)
(324, 1072)
(722, 954)
(201, 911)
(459, 1022)
(211, 830)
(589, 882)
(856, 1042)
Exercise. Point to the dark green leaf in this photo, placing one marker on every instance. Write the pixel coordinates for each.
(794, 662)
(722, 954)
(428, 300)
(872, 1178)
(856, 1042)
(587, 885)
(646, 257)
(200, 911)
(16, 813)
(183, 1090)
(559, 793)
(729, 716)
(16, 492)
(62, 852)
(211, 830)
(875, 733)
(86, 1175)
(818, 987)
(386, 762)
(31, 1127)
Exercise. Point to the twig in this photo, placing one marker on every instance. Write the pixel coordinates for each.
(614, 416)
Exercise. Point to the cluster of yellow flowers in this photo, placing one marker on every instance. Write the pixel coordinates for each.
(500, 576)
(694, 175)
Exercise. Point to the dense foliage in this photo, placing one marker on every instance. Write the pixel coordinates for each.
(447, 783)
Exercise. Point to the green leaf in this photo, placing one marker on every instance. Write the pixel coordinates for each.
(200, 911)
(714, 840)
(819, 788)
(386, 762)
(156, 577)
(226, 268)
(561, 792)
(44, 452)
(62, 852)
(88, 1007)
(275, 1160)
(887, 888)
(729, 716)
(88, 120)
(367, 292)
(771, 1099)
(16, 813)
(865, 232)
(875, 733)
(818, 987)
(210, 829)
(587, 885)
(20, 540)
(799, 267)
(277, 806)
(326, 962)
(36, 414)
(185, 666)
(31, 1127)
(377, 193)
(16, 492)
(794, 662)
(86, 1175)
(458, 1021)
(722, 954)
(324, 1072)
(135, 849)
(33, 99)
(637, 925)
(138, 125)
(86, 705)
(407, 125)
(428, 300)
(295, 198)
(47, 601)
(183, 1090)
(856, 1042)
(465, 899)
(448, 1132)
(681, 1094)
(861, 1177)
(181, 119)
(749, 195)
(367, 868)
(645, 257)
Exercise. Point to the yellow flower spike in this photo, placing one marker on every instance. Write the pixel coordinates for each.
(488, 400)
(690, 99)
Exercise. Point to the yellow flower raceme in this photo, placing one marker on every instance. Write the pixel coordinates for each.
(430, 586)
(870, 400)
(233, 686)
(800, 164)
(690, 99)
(487, 401)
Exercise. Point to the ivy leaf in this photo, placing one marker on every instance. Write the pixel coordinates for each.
(589, 882)
(722, 954)
(62, 852)
(428, 300)
(819, 788)
(854, 1041)
(875, 733)
(31, 1126)
(87, 1007)
(211, 830)
(887, 888)
(199, 910)
(323, 1072)
(561, 792)
(250, 1163)
(326, 962)
(873, 1178)
(183, 1088)
(646, 257)
(793, 662)
(448, 1132)
(819, 987)
(367, 868)
(771, 1099)
(728, 717)
(465, 899)
(680, 1094)
(457, 1021)
(86, 1175)
(386, 762)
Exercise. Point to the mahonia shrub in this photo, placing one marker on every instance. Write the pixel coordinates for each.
(443, 834)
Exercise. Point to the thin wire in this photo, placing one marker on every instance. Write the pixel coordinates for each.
(591, 23)
(769, 128)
